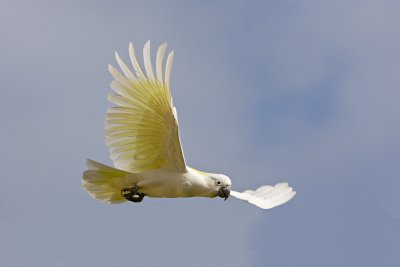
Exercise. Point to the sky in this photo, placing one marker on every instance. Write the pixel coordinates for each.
(266, 91)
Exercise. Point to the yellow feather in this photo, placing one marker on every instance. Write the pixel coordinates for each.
(141, 131)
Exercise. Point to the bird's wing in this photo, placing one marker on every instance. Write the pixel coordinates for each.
(142, 130)
(266, 196)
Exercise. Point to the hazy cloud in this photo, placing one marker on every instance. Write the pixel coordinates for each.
(303, 92)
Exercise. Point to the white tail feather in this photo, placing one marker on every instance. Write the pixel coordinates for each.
(267, 197)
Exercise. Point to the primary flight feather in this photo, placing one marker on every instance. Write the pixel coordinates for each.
(142, 134)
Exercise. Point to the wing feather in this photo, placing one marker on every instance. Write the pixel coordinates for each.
(127, 72)
(168, 67)
(159, 61)
(142, 130)
(147, 61)
(135, 63)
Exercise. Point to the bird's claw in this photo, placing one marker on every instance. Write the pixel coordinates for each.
(132, 194)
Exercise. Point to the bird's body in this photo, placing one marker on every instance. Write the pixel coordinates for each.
(168, 184)
(158, 183)
(142, 134)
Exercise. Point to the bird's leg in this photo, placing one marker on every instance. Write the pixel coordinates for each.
(132, 194)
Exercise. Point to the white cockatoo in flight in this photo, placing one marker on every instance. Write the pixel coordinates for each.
(142, 134)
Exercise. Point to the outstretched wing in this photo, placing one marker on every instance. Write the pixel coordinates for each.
(142, 132)
(266, 196)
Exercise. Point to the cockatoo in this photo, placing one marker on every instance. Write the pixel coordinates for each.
(142, 134)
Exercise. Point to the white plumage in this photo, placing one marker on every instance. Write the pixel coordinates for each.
(142, 134)
(266, 196)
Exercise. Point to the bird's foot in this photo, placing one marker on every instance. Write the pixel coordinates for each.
(132, 194)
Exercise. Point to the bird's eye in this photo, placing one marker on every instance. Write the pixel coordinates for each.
(218, 182)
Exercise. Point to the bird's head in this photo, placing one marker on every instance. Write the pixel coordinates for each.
(221, 184)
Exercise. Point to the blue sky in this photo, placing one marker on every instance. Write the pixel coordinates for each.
(266, 91)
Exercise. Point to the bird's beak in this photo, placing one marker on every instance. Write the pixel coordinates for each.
(224, 192)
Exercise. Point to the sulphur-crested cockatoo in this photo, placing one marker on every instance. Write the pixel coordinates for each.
(142, 134)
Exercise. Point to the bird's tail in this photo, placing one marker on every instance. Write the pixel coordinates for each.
(104, 183)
